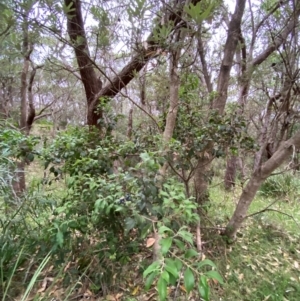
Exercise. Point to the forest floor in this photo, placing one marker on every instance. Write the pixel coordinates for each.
(262, 264)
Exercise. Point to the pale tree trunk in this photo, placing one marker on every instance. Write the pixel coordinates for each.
(19, 184)
(201, 177)
(257, 178)
(174, 99)
(27, 109)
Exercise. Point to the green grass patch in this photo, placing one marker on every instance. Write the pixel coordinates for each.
(264, 262)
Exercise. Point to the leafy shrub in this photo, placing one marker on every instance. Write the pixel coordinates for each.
(103, 216)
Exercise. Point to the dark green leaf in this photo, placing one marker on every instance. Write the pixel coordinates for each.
(214, 275)
(150, 280)
(205, 262)
(203, 288)
(151, 268)
(170, 266)
(162, 288)
(179, 244)
(191, 253)
(189, 280)
(165, 245)
(129, 224)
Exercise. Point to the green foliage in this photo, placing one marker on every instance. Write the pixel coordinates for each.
(196, 129)
(178, 254)
(180, 257)
(201, 10)
(14, 147)
(137, 9)
(111, 204)
(102, 29)
(14, 144)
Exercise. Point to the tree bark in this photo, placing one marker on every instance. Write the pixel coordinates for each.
(257, 178)
(233, 35)
(201, 177)
(92, 85)
(129, 125)
(19, 183)
(174, 100)
(204, 161)
(229, 180)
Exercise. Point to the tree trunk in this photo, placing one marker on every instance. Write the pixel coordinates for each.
(19, 179)
(92, 85)
(258, 177)
(174, 100)
(229, 180)
(129, 125)
(93, 89)
(201, 176)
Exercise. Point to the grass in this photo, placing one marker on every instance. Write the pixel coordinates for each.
(264, 262)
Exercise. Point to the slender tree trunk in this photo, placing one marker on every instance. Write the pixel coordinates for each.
(229, 180)
(201, 176)
(23, 117)
(92, 84)
(257, 178)
(19, 180)
(174, 100)
(129, 126)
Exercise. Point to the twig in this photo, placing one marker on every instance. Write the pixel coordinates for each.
(261, 211)
(274, 210)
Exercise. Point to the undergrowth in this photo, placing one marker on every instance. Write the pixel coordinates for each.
(96, 229)
(264, 262)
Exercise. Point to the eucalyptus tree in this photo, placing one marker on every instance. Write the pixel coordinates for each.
(276, 117)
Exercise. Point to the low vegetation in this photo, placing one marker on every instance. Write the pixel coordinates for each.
(82, 231)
